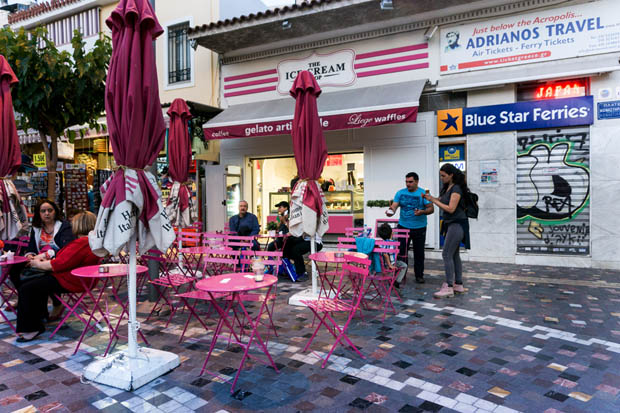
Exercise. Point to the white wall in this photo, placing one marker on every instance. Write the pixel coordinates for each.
(605, 180)
(493, 235)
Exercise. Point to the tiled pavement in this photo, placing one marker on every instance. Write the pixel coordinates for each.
(529, 339)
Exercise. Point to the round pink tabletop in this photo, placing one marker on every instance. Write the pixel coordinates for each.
(194, 250)
(17, 259)
(234, 282)
(330, 256)
(115, 270)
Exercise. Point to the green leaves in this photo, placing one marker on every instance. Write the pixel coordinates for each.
(379, 203)
(56, 89)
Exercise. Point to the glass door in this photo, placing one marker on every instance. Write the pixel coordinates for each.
(233, 190)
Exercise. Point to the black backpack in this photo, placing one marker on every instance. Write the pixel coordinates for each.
(470, 204)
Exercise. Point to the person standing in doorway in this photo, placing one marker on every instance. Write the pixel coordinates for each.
(413, 211)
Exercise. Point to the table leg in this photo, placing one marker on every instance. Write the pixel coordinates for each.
(95, 308)
(223, 320)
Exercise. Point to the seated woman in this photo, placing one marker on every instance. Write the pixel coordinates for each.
(33, 293)
(49, 232)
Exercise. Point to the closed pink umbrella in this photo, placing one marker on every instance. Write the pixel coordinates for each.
(131, 209)
(180, 208)
(131, 197)
(308, 210)
(11, 207)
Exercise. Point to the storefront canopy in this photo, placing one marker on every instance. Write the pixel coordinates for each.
(581, 66)
(356, 108)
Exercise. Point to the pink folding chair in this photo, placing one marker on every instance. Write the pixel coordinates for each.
(402, 235)
(215, 262)
(324, 308)
(168, 284)
(381, 284)
(189, 263)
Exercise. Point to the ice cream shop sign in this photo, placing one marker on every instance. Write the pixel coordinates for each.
(332, 69)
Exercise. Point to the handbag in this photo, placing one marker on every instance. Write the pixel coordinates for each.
(32, 273)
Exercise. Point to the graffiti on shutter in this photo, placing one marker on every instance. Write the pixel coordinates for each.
(553, 191)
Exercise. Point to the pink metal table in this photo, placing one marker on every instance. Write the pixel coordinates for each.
(328, 278)
(90, 275)
(235, 284)
(4, 276)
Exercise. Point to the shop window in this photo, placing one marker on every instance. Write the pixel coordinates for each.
(431, 102)
(179, 57)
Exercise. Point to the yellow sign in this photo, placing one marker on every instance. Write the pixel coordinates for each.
(38, 159)
(447, 156)
(450, 122)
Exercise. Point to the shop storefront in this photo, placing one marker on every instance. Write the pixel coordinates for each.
(542, 88)
(534, 134)
(369, 112)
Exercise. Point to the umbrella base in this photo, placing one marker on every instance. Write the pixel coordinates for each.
(118, 370)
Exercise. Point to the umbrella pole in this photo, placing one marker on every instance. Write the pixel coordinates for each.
(314, 271)
(131, 287)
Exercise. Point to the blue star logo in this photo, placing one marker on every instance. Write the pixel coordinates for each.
(450, 122)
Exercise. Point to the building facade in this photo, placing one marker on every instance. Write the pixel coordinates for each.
(520, 95)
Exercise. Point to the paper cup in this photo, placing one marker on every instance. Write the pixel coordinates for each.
(258, 277)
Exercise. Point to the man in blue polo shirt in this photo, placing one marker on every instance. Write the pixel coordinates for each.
(413, 212)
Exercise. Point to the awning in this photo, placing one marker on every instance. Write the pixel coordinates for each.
(356, 108)
(567, 68)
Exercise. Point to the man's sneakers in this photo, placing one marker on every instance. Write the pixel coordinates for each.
(420, 280)
(303, 277)
(445, 292)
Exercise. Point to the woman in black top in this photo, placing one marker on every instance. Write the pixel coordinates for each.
(49, 232)
(455, 227)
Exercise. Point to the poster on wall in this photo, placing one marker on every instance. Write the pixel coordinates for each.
(553, 191)
(579, 30)
(489, 173)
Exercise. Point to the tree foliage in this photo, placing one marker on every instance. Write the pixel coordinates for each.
(57, 89)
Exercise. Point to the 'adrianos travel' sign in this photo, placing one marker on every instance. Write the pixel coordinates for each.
(539, 114)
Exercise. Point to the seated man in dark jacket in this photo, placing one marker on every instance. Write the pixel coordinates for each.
(245, 223)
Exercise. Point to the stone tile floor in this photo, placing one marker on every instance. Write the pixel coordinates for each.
(528, 339)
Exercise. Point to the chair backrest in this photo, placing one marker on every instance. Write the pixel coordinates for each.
(213, 239)
(239, 241)
(188, 237)
(358, 270)
(385, 247)
(400, 233)
(164, 264)
(346, 244)
(220, 261)
(353, 231)
(18, 245)
(267, 257)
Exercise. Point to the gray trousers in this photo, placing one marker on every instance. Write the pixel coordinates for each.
(450, 254)
(402, 269)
